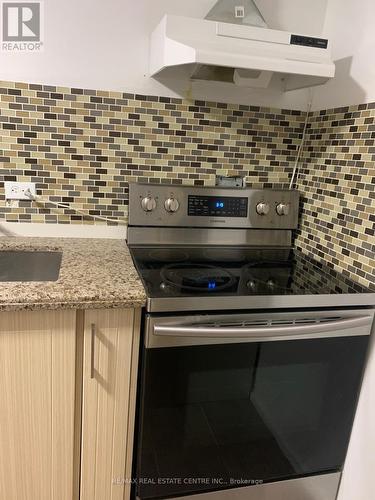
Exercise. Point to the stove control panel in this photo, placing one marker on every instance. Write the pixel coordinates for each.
(210, 207)
(218, 206)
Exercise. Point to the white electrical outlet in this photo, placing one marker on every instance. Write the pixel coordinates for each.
(239, 11)
(16, 190)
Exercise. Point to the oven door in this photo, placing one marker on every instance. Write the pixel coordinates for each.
(248, 401)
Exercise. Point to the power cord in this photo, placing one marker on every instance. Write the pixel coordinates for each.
(295, 169)
(39, 199)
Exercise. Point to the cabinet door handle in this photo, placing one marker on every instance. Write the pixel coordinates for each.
(92, 367)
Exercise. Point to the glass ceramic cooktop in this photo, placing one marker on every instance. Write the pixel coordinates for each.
(226, 271)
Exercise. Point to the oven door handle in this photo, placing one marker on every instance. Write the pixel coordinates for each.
(338, 328)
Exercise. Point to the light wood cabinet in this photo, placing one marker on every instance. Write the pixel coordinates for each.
(67, 403)
(37, 405)
(110, 358)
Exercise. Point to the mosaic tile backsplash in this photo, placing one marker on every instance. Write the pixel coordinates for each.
(337, 182)
(82, 147)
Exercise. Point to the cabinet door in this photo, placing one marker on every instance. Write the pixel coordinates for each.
(37, 405)
(111, 339)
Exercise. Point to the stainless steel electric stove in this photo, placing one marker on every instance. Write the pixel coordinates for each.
(252, 352)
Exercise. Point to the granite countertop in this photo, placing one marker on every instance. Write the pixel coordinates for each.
(94, 273)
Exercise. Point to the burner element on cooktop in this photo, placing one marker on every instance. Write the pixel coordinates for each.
(196, 277)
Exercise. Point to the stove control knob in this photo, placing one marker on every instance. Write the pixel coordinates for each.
(171, 205)
(262, 208)
(148, 204)
(283, 209)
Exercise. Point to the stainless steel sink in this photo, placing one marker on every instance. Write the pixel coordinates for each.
(29, 266)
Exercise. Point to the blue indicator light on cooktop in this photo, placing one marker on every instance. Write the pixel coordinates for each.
(219, 204)
(212, 284)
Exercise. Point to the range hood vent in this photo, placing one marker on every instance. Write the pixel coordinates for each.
(223, 50)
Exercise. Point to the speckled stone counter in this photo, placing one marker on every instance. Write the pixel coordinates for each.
(95, 273)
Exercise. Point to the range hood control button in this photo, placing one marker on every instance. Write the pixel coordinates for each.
(171, 205)
(148, 204)
(263, 208)
(283, 209)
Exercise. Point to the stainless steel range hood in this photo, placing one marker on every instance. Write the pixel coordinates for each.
(226, 47)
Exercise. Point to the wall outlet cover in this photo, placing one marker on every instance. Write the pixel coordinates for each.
(16, 190)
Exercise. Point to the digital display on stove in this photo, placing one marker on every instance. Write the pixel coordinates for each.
(225, 206)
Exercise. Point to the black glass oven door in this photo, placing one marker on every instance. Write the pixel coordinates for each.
(226, 415)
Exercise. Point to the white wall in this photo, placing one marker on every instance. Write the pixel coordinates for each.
(104, 45)
(350, 26)
(299, 16)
